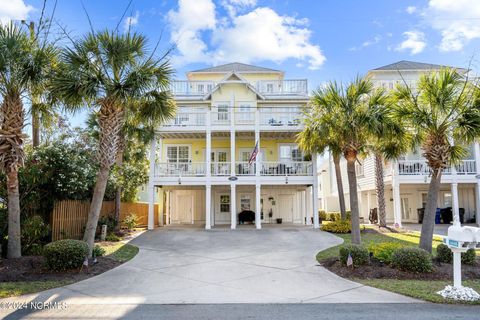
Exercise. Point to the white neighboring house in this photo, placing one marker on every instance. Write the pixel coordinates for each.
(406, 180)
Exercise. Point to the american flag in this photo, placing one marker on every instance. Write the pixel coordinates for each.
(253, 156)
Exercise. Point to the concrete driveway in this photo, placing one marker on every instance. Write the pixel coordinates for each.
(190, 265)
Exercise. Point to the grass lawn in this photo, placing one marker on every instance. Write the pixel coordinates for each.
(424, 290)
(119, 251)
(420, 289)
(12, 289)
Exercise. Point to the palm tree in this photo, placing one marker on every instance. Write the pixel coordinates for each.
(318, 136)
(21, 66)
(389, 141)
(444, 116)
(114, 74)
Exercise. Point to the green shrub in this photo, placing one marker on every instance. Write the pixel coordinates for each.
(360, 255)
(109, 220)
(338, 226)
(469, 257)
(412, 259)
(65, 254)
(112, 237)
(98, 251)
(130, 221)
(322, 215)
(444, 254)
(34, 232)
(383, 251)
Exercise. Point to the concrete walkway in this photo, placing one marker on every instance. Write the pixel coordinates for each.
(191, 265)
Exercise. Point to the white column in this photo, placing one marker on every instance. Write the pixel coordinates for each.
(233, 205)
(455, 205)
(308, 213)
(208, 206)
(257, 139)
(397, 214)
(151, 184)
(477, 203)
(369, 204)
(316, 223)
(208, 147)
(258, 195)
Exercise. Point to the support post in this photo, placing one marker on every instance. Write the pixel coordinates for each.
(477, 203)
(316, 222)
(457, 269)
(208, 206)
(308, 213)
(151, 185)
(258, 195)
(233, 206)
(257, 140)
(455, 206)
(397, 210)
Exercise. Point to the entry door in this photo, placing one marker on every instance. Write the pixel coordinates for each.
(184, 210)
(285, 207)
(405, 207)
(222, 208)
(220, 162)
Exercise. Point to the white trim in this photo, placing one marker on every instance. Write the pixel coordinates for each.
(165, 150)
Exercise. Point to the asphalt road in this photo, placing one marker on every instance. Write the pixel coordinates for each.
(395, 311)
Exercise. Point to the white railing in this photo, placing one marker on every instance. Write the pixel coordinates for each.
(279, 119)
(466, 167)
(297, 168)
(282, 87)
(187, 119)
(220, 168)
(242, 168)
(244, 117)
(168, 169)
(420, 167)
(191, 88)
(220, 118)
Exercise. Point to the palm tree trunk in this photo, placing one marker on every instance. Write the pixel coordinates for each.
(96, 207)
(428, 223)
(341, 196)
(118, 193)
(35, 130)
(14, 237)
(380, 186)
(352, 185)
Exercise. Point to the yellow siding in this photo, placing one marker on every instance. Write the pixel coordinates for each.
(197, 147)
(240, 92)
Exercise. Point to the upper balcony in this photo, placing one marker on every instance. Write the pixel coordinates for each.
(268, 88)
(420, 167)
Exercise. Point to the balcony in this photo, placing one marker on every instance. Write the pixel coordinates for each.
(280, 118)
(191, 88)
(187, 119)
(282, 87)
(420, 167)
(242, 168)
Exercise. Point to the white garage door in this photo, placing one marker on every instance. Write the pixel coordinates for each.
(184, 208)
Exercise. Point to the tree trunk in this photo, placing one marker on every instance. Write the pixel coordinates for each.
(118, 193)
(341, 196)
(96, 207)
(380, 186)
(352, 186)
(35, 130)
(14, 235)
(428, 223)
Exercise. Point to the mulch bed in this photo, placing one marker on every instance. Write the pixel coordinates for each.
(378, 270)
(32, 268)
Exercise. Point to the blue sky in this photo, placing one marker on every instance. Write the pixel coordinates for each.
(318, 40)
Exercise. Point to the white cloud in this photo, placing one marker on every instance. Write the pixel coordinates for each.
(256, 35)
(13, 10)
(411, 9)
(376, 39)
(415, 42)
(131, 21)
(456, 20)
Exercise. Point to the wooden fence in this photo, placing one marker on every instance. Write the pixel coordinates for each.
(69, 217)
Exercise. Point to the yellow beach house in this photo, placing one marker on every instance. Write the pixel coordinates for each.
(202, 163)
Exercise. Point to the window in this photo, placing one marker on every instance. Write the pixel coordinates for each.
(224, 203)
(245, 202)
(246, 112)
(178, 153)
(290, 153)
(270, 87)
(200, 88)
(447, 199)
(222, 112)
(359, 169)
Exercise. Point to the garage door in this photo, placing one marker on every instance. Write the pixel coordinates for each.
(184, 209)
(285, 207)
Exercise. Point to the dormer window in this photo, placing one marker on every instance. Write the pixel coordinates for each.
(270, 87)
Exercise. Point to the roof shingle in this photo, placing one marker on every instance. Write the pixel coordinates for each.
(410, 65)
(236, 67)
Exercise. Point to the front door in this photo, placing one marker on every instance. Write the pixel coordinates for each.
(222, 208)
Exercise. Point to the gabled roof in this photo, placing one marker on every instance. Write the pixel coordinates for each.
(410, 65)
(233, 77)
(236, 67)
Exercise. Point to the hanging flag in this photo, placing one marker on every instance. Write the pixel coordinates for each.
(253, 156)
(349, 260)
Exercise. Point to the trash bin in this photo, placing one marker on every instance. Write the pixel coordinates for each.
(438, 216)
(420, 213)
